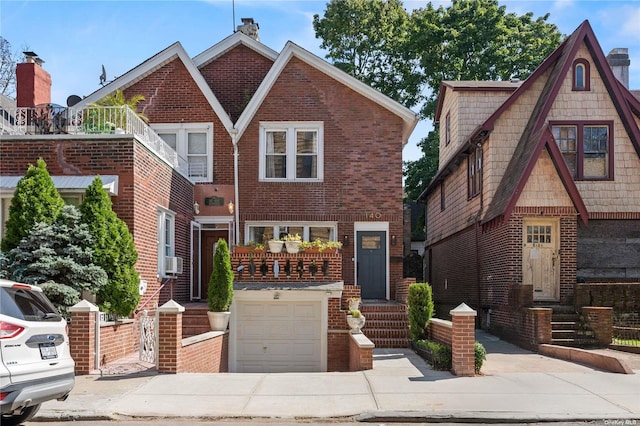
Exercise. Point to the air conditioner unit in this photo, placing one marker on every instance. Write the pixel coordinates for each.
(173, 265)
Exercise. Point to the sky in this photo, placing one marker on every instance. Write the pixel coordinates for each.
(76, 38)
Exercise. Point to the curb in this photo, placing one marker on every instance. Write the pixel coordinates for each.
(481, 417)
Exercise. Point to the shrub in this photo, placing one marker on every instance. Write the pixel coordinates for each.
(220, 291)
(420, 309)
(480, 356)
(441, 358)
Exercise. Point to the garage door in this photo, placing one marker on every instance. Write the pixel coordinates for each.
(278, 336)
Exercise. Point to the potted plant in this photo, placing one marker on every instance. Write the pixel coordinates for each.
(220, 291)
(292, 242)
(354, 303)
(319, 246)
(275, 246)
(356, 320)
(249, 247)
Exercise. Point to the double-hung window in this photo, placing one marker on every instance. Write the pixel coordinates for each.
(193, 142)
(262, 232)
(587, 148)
(291, 151)
(474, 172)
(166, 238)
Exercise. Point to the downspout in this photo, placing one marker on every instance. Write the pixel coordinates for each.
(478, 229)
(234, 141)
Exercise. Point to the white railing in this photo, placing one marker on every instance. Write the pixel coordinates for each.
(95, 120)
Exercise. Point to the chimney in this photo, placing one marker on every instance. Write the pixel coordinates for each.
(618, 60)
(249, 28)
(33, 83)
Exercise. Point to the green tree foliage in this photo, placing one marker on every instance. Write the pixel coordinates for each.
(34, 200)
(59, 258)
(407, 55)
(220, 290)
(420, 303)
(117, 98)
(367, 39)
(115, 252)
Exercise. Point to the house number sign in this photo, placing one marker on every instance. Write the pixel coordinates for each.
(373, 215)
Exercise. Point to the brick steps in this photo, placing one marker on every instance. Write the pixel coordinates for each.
(568, 329)
(387, 324)
(195, 321)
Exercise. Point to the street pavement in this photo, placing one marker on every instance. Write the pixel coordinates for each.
(515, 386)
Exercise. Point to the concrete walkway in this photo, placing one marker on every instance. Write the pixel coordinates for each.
(515, 386)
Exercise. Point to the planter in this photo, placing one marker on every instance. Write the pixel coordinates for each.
(355, 324)
(292, 246)
(275, 246)
(219, 321)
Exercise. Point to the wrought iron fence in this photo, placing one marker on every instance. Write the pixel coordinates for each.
(51, 119)
(626, 329)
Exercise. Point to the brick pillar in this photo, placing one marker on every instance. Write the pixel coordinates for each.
(82, 336)
(600, 320)
(169, 337)
(540, 319)
(463, 339)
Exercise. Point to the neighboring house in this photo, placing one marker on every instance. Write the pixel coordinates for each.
(262, 144)
(538, 187)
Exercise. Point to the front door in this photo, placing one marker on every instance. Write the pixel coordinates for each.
(540, 258)
(209, 240)
(371, 268)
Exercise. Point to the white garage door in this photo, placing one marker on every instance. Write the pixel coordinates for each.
(278, 336)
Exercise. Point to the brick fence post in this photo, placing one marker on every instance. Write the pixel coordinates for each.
(82, 336)
(169, 336)
(600, 320)
(463, 339)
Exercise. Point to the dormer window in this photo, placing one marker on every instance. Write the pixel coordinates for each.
(581, 75)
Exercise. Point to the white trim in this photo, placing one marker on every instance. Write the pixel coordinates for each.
(286, 296)
(409, 118)
(229, 43)
(291, 128)
(372, 226)
(193, 286)
(65, 184)
(294, 223)
(161, 217)
(175, 51)
(182, 131)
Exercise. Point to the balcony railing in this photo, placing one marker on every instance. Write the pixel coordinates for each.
(51, 119)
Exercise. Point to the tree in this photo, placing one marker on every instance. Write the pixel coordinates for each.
(58, 257)
(220, 290)
(367, 39)
(117, 99)
(34, 200)
(115, 251)
(8, 61)
(407, 56)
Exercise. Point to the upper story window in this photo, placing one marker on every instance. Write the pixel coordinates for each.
(474, 173)
(192, 142)
(587, 148)
(166, 238)
(443, 204)
(447, 129)
(581, 75)
(291, 151)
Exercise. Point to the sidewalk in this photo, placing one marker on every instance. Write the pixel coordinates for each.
(516, 386)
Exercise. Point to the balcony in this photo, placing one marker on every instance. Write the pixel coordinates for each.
(52, 119)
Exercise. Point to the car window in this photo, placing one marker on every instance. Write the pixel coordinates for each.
(26, 305)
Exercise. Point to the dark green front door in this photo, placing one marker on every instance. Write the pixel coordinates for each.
(372, 264)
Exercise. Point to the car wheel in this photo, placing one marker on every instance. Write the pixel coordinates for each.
(16, 419)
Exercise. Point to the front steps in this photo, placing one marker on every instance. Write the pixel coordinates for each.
(195, 320)
(387, 323)
(568, 328)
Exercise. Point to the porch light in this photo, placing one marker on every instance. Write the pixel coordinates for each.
(196, 208)
(231, 207)
(345, 240)
(393, 240)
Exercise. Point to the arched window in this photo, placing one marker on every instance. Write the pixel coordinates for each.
(581, 75)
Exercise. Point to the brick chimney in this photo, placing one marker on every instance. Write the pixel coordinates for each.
(33, 83)
(249, 28)
(619, 62)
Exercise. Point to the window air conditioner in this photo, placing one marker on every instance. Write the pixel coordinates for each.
(173, 265)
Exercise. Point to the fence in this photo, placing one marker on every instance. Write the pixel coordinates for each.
(626, 329)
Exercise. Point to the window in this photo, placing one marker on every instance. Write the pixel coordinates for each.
(291, 151)
(581, 75)
(474, 173)
(193, 143)
(166, 238)
(442, 197)
(265, 231)
(447, 129)
(586, 148)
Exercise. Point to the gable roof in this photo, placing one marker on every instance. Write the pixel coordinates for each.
(409, 118)
(236, 39)
(171, 53)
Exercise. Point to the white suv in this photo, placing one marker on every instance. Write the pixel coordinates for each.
(35, 362)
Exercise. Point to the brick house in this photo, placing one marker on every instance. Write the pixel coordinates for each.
(538, 188)
(262, 144)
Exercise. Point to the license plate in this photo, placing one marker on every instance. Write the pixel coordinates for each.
(48, 351)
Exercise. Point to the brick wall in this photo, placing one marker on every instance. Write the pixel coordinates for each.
(360, 352)
(334, 271)
(624, 297)
(118, 340)
(439, 330)
(600, 320)
(205, 356)
(82, 335)
(338, 350)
